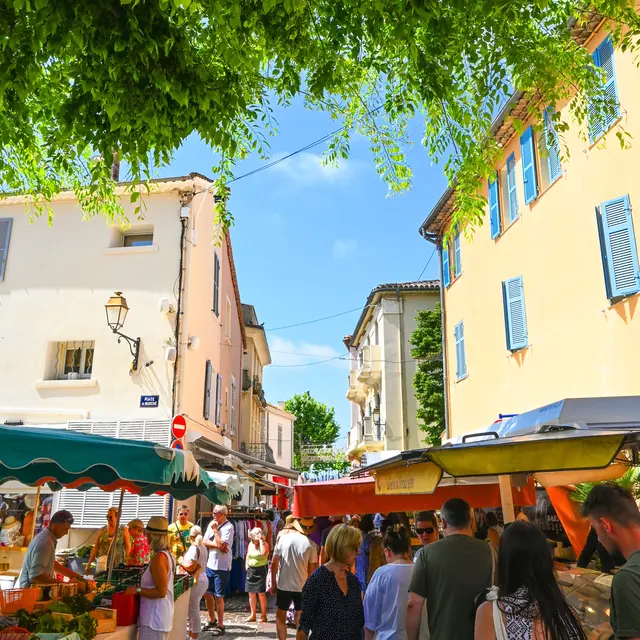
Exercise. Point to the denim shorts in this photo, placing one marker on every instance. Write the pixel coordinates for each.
(217, 582)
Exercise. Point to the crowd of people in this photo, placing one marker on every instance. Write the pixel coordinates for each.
(362, 581)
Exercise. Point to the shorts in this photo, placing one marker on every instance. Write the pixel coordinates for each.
(285, 598)
(218, 580)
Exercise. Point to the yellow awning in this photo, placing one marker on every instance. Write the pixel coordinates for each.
(423, 477)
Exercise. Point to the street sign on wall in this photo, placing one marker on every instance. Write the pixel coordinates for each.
(177, 444)
(178, 427)
(149, 401)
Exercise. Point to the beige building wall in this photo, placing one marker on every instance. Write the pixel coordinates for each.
(280, 425)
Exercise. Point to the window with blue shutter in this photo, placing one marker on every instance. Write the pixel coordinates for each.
(457, 260)
(208, 375)
(515, 318)
(511, 187)
(461, 359)
(494, 208)
(529, 171)
(216, 283)
(5, 235)
(218, 399)
(619, 250)
(553, 146)
(446, 269)
(603, 58)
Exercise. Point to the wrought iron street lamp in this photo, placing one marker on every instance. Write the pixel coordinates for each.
(117, 310)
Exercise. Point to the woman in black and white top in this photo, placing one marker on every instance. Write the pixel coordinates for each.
(528, 604)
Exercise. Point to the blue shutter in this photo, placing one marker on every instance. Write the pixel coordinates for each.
(515, 316)
(553, 145)
(620, 251)
(218, 399)
(5, 234)
(603, 58)
(208, 374)
(529, 173)
(457, 261)
(446, 269)
(511, 187)
(494, 208)
(461, 362)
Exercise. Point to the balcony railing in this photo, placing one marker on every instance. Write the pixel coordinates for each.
(260, 450)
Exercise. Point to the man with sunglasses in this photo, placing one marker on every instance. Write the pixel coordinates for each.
(179, 533)
(427, 527)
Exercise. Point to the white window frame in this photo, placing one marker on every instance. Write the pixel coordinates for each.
(83, 346)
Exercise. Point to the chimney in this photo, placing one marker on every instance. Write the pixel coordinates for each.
(115, 167)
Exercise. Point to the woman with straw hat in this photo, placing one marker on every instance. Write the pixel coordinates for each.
(156, 586)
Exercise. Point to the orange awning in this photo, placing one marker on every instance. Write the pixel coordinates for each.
(357, 495)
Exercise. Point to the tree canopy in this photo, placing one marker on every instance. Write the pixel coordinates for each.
(82, 80)
(315, 423)
(428, 381)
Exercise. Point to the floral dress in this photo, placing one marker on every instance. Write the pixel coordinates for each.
(140, 552)
(104, 544)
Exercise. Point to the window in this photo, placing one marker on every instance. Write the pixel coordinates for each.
(208, 377)
(494, 208)
(218, 399)
(552, 142)
(514, 314)
(446, 269)
(75, 360)
(227, 320)
(5, 234)
(461, 358)
(603, 58)
(137, 239)
(512, 194)
(457, 260)
(529, 171)
(279, 441)
(619, 250)
(216, 284)
(232, 416)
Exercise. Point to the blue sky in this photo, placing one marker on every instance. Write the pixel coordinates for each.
(311, 241)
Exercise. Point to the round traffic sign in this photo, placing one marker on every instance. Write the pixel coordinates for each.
(177, 444)
(178, 427)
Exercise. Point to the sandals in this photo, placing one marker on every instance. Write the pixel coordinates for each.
(212, 624)
(218, 631)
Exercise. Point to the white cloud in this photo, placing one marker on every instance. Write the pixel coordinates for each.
(309, 168)
(343, 248)
(290, 353)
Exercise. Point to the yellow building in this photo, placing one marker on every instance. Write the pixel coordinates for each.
(541, 303)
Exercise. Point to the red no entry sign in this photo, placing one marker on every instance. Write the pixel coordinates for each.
(178, 427)
(177, 444)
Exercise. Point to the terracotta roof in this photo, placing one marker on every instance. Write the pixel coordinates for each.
(516, 107)
(392, 287)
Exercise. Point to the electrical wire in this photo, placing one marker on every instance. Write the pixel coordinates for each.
(335, 315)
(433, 253)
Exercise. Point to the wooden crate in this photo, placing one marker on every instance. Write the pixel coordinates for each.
(106, 618)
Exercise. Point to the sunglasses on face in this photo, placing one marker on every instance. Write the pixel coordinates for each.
(184, 515)
(421, 532)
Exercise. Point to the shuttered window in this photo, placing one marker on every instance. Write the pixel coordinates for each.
(515, 318)
(553, 146)
(457, 259)
(619, 249)
(603, 58)
(89, 508)
(208, 377)
(446, 269)
(511, 187)
(494, 208)
(529, 171)
(461, 358)
(216, 284)
(5, 235)
(218, 399)
(232, 417)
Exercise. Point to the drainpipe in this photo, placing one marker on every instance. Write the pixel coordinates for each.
(403, 391)
(445, 362)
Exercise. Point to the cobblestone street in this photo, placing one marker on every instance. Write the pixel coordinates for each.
(236, 613)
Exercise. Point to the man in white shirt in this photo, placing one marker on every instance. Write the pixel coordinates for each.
(219, 541)
(295, 558)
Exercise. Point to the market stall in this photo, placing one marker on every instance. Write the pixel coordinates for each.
(36, 457)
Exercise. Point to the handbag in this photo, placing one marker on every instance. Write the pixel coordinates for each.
(498, 623)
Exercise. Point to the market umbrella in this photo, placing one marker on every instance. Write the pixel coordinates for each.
(61, 458)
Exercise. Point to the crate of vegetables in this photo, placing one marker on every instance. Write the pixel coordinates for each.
(107, 619)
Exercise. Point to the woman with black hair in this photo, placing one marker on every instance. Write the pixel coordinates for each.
(385, 603)
(529, 604)
(362, 561)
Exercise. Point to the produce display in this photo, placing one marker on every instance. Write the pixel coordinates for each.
(46, 621)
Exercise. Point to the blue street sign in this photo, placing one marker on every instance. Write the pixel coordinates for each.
(149, 401)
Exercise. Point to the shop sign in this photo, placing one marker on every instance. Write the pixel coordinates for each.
(416, 478)
(147, 402)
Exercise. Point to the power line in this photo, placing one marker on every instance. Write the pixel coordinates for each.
(335, 315)
(433, 253)
(308, 364)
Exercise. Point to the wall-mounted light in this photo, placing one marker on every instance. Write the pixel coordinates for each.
(117, 310)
